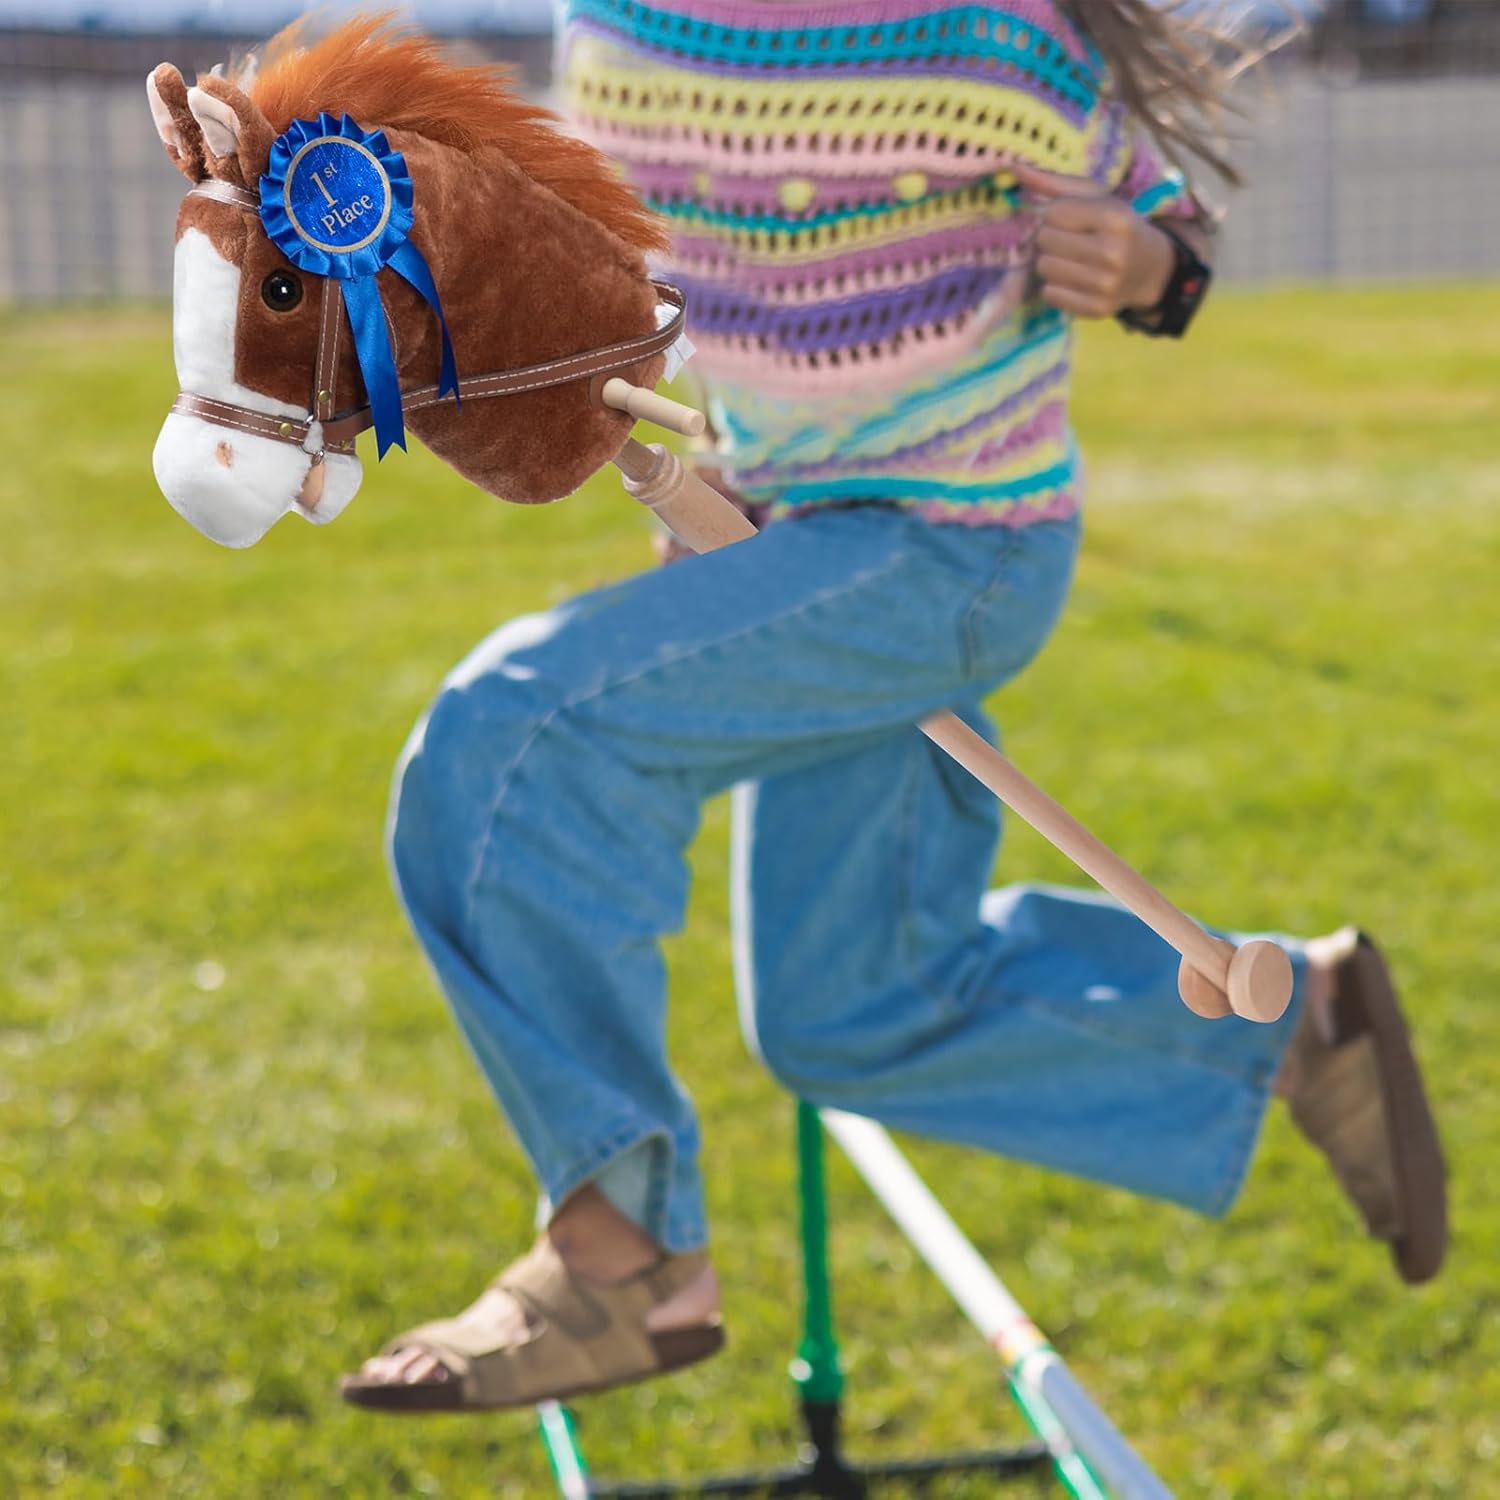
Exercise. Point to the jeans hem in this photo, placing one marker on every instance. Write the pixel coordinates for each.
(674, 1230)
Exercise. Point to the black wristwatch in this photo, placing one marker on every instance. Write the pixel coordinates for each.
(1184, 295)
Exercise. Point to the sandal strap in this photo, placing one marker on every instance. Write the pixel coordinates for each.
(581, 1333)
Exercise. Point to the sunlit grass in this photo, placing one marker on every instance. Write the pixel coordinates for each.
(240, 1142)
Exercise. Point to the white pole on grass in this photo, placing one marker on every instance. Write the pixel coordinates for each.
(1032, 1365)
(563, 1452)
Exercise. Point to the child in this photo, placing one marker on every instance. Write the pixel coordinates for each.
(887, 214)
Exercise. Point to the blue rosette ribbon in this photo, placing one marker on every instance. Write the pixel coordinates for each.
(336, 200)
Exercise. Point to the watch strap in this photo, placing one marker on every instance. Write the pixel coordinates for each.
(1184, 294)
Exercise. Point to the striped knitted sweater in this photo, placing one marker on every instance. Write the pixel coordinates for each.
(855, 256)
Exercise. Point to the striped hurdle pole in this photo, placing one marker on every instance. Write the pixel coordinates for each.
(1091, 1457)
(560, 1438)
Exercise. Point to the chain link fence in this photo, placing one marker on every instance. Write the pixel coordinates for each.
(1371, 144)
(1372, 148)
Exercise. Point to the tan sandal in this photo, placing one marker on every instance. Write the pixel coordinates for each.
(581, 1337)
(1359, 1099)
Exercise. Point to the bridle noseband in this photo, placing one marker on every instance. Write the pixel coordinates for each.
(326, 430)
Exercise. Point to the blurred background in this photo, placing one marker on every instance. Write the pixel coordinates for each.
(241, 1142)
(1374, 134)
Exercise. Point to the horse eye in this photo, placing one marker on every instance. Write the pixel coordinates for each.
(281, 291)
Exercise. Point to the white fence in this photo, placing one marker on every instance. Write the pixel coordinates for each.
(1369, 179)
(88, 199)
(1374, 179)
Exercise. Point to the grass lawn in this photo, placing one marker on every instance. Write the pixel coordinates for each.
(241, 1143)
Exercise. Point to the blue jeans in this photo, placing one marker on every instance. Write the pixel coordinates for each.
(544, 805)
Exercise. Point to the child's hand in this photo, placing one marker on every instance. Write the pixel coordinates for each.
(1095, 256)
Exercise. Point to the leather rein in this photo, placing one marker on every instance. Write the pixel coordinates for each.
(327, 430)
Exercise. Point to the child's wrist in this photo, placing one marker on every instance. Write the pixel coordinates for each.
(1153, 260)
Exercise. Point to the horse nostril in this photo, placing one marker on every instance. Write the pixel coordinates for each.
(224, 454)
(312, 486)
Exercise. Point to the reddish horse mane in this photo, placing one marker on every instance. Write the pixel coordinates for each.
(389, 78)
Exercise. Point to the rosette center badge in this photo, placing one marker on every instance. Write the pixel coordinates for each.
(338, 195)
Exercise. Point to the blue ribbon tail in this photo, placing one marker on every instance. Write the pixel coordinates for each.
(409, 264)
(377, 362)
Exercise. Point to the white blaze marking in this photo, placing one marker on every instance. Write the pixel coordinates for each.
(205, 308)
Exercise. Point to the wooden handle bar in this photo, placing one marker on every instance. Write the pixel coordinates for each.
(647, 406)
(1255, 981)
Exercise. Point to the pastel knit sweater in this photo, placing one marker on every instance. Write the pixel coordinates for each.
(855, 256)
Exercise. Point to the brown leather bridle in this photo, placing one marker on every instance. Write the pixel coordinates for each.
(326, 430)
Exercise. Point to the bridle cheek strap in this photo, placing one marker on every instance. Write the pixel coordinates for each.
(320, 432)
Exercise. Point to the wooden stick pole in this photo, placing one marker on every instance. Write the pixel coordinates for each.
(694, 512)
(1254, 981)
(1208, 954)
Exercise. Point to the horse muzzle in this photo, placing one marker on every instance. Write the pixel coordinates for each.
(233, 482)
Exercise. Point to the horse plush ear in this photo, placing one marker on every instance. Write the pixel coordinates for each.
(236, 135)
(166, 94)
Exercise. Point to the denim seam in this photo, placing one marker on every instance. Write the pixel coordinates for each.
(968, 632)
(507, 776)
(948, 1005)
(906, 872)
(742, 916)
(658, 1184)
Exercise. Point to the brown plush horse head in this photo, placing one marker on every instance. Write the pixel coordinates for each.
(535, 247)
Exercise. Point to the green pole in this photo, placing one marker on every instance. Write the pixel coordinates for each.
(816, 1370)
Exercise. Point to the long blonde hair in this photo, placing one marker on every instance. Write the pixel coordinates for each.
(1171, 70)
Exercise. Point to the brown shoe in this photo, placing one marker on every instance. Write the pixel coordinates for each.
(1359, 1099)
(579, 1336)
